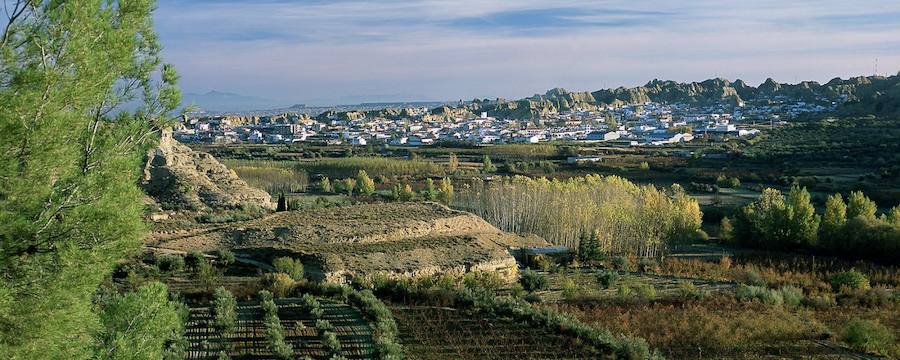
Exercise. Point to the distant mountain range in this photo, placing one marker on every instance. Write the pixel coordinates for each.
(878, 95)
(229, 102)
(226, 102)
(864, 94)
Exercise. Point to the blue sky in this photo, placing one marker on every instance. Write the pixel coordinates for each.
(327, 51)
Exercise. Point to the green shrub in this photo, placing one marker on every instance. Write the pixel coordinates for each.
(870, 336)
(193, 259)
(791, 295)
(647, 265)
(309, 304)
(759, 293)
(853, 280)
(289, 266)
(751, 277)
(224, 306)
(608, 279)
(688, 290)
(331, 342)
(532, 281)
(622, 263)
(540, 262)
(634, 289)
(633, 348)
(225, 257)
(207, 275)
(170, 263)
(323, 325)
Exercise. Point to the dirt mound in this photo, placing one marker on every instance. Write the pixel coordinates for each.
(403, 239)
(180, 178)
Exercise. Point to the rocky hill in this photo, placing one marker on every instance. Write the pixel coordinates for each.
(179, 178)
(401, 239)
(878, 95)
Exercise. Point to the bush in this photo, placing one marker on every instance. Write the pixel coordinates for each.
(636, 290)
(791, 295)
(289, 266)
(331, 343)
(224, 306)
(853, 280)
(622, 263)
(170, 263)
(608, 279)
(225, 257)
(688, 290)
(193, 259)
(648, 265)
(751, 277)
(282, 285)
(532, 281)
(540, 262)
(759, 293)
(870, 336)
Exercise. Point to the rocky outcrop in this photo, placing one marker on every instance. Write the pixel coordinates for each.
(179, 178)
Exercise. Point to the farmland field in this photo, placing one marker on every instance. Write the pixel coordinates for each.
(437, 333)
(248, 341)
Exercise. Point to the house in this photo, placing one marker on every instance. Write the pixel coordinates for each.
(582, 159)
(602, 136)
(357, 140)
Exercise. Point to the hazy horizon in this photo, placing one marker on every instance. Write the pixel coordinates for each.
(320, 52)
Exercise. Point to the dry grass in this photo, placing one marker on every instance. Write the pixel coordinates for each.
(720, 326)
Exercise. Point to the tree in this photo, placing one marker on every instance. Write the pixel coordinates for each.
(589, 246)
(325, 185)
(70, 206)
(224, 305)
(346, 186)
(726, 230)
(893, 216)
(773, 222)
(834, 218)
(365, 183)
(487, 166)
(429, 192)
(860, 205)
(445, 191)
(138, 325)
(407, 193)
(452, 164)
(282, 203)
(805, 222)
(289, 266)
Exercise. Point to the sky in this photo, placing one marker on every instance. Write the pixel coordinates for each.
(344, 51)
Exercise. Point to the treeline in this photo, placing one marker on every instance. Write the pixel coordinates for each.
(851, 228)
(376, 166)
(622, 217)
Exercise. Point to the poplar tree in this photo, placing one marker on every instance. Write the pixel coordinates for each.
(452, 164)
(365, 183)
(834, 218)
(859, 205)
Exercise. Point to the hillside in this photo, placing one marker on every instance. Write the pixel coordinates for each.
(863, 95)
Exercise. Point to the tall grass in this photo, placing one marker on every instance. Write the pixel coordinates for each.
(272, 176)
(374, 166)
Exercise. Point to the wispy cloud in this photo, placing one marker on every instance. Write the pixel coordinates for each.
(439, 49)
